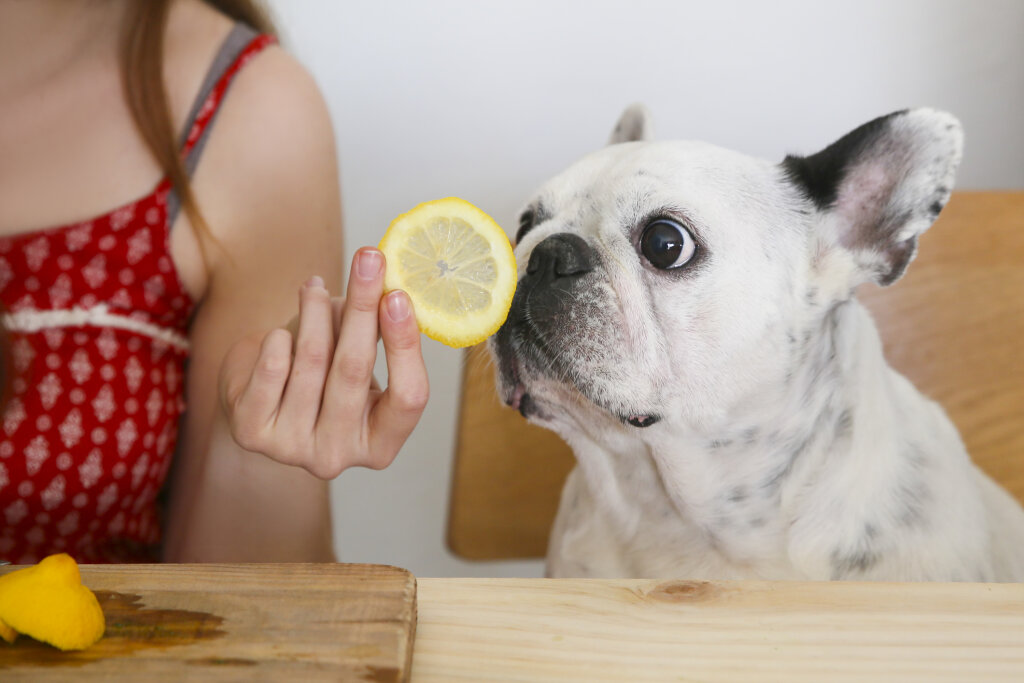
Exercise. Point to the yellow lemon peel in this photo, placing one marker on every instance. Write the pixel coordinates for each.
(457, 267)
(49, 603)
(7, 633)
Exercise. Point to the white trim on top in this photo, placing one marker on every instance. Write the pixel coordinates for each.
(31, 320)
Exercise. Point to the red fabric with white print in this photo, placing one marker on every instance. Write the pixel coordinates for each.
(98, 323)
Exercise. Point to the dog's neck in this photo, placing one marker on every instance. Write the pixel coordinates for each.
(738, 483)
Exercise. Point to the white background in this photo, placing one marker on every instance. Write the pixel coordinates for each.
(485, 100)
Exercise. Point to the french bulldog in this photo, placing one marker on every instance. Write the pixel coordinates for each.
(685, 320)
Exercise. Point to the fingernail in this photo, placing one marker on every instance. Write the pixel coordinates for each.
(368, 264)
(315, 281)
(398, 306)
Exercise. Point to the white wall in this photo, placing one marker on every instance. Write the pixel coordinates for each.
(484, 100)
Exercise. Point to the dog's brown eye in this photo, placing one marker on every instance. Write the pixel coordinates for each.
(667, 244)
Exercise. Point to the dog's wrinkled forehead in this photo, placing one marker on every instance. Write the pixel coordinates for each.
(724, 195)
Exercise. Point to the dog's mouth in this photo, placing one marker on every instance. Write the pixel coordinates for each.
(519, 398)
(642, 420)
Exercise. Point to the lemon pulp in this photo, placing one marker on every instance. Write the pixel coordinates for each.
(456, 265)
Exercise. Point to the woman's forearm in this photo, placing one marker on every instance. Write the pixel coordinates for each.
(244, 507)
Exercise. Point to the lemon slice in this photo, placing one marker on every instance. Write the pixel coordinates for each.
(456, 265)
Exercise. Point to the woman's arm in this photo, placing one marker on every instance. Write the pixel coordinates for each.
(268, 187)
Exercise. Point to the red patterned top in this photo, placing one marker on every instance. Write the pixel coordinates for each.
(98, 320)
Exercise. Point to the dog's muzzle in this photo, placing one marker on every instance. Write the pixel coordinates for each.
(542, 297)
(540, 323)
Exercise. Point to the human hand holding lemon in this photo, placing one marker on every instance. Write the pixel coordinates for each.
(304, 395)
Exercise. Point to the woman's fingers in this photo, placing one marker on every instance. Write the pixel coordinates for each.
(313, 346)
(337, 313)
(398, 409)
(354, 355)
(314, 402)
(252, 412)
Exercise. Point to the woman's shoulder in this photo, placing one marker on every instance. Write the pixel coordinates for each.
(273, 136)
(273, 84)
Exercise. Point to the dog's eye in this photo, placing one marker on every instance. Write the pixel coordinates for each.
(526, 222)
(667, 244)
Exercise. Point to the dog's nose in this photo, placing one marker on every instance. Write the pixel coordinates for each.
(561, 255)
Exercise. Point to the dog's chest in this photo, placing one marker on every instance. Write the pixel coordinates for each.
(704, 517)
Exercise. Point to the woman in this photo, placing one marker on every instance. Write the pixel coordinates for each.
(144, 226)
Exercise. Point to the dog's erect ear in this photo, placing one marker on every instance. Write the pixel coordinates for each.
(882, 185)
(634, 125)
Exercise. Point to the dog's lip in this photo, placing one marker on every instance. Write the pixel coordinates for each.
(641, 420)
(517, 395)
(515, 399)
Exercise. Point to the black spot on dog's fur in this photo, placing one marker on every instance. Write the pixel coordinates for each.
(772, 482)
(844, 564)
(738, 494)
(844, 423)
(819, 175)
(530, 218)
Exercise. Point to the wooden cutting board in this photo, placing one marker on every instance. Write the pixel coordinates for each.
(282, 622)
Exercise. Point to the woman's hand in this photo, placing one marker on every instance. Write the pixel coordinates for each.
(307, 397)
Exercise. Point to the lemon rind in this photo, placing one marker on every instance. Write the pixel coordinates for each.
(436, 324)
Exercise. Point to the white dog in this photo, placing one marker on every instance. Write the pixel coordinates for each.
(685, 320)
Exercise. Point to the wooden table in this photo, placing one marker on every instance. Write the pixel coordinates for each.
(591, 630)
(356, 622)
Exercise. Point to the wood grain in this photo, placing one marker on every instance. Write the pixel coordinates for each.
(954, 326)
(641, 630)
(236, 622)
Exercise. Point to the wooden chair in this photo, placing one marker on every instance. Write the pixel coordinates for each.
(954, 325)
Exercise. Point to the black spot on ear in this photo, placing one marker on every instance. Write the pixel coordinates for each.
(819, 175)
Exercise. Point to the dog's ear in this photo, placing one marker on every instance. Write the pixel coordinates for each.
(882, 185)
(634, 125)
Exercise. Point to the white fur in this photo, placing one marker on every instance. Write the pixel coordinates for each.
(787, 448)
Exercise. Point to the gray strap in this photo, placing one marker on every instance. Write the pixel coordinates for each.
(240, 37)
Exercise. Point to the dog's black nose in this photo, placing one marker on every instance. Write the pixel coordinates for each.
(559, 256)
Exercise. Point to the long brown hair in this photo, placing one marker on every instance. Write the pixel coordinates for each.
(142, 74)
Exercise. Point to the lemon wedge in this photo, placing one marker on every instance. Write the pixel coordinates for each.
(8, 633)
(49, 603)
(457, 267)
